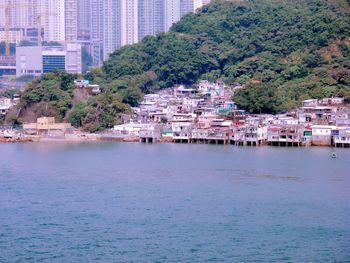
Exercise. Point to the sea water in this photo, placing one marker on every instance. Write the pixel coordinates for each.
(121, 202)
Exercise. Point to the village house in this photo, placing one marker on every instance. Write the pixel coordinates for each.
(286, 135)
(322, 135)
(320, 115)
(251, 135)
(181, 131)
(341, 118)
(285, 120)
(81, 83)
(310, 103)
(227, 107)
(331, 101)
(182, 91)
(48, 126)
(132, 129)
(204, 120)
(341, 138)
(151, 134)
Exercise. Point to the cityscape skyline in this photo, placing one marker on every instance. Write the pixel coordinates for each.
(102, 26)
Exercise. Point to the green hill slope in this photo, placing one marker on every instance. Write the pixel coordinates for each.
(291, 49)
(284, 51)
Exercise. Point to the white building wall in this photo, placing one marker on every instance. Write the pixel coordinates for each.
(28, 61)
(73, 58)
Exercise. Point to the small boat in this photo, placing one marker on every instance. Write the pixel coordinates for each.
(8, 134)
(334, 155)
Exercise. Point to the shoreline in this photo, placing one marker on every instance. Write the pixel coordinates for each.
(94, 138)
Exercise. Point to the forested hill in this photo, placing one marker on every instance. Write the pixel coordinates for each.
(283, 50)
(295, 49)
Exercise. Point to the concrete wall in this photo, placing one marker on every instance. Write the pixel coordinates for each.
(28, 61)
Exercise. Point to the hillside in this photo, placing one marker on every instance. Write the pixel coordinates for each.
(284, 51)
(294, 49)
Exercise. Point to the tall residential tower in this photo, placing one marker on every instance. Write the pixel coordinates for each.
(71, 20)
(151, 17)
(129, 22)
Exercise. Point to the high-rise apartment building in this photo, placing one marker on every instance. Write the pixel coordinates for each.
(83, 18)
(71, 15)
(186, 6)
(171, 13)
(199, 3)
(151, 17)
(129, 21)
(21, 14)
(96, 30)
(111, 26)
(54, 17)
(58, 18)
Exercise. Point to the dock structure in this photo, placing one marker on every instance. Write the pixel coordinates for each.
(342, 138)
(210, 136)
(249, 135)
(150, 136)
(182, 136)
(287, 136)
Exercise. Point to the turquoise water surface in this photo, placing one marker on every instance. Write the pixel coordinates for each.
(115, 202)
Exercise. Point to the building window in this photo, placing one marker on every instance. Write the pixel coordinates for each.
(51, 63)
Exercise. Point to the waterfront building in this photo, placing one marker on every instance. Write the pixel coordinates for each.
(47, 125)
(131, 129)
(342, 138)
(322, 135)
(287, 135)
(251, 135)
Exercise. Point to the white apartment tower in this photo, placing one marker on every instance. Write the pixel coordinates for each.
(22, 13)
(71, 20)
(83, 18)
(54, 20)
(151, 17)
(186, 6)
(171, 13)
(129, 22)
(199, 3)
(111, 26)
(96, 30)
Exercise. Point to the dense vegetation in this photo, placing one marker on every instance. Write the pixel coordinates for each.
(54, 95)
(283, 51)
